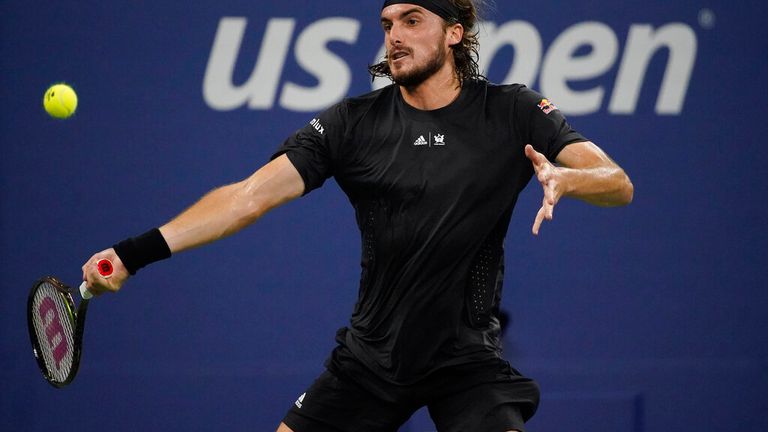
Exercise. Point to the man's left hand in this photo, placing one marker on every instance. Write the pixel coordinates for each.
(551, 181)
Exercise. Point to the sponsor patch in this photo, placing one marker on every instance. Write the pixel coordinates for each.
(547, 106)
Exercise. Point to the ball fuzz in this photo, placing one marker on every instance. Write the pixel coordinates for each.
(60, 101)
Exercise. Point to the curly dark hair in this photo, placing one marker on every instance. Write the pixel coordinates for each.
(465, 53)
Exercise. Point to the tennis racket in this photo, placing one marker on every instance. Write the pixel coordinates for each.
(55, 329)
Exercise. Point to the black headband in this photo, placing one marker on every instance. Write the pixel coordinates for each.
(444, 8)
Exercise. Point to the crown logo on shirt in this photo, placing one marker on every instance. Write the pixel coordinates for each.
(439, 139)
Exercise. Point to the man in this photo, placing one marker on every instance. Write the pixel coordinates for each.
(433, 165)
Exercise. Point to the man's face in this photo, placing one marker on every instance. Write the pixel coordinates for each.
(416, 43)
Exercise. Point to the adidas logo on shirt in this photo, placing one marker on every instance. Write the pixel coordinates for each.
(420, 141)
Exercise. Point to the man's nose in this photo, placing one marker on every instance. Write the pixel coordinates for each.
(395, 38)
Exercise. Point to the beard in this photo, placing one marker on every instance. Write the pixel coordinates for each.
(419, 74)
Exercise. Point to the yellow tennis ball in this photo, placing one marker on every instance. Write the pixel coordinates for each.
(60, 101)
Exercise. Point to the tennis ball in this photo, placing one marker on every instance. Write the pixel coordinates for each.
(60, 101)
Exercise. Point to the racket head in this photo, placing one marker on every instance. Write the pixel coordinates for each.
(55, 330)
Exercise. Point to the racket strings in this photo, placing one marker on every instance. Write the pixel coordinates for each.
(53, 321)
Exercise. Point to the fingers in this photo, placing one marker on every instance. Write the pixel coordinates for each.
(535, 157)
(98, 284)
(549, 184)
(537, 222)
(546, 212)
(92, 278)
(548, 178)
(541, 165)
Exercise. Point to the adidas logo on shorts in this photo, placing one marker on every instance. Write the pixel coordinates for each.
(300, 401)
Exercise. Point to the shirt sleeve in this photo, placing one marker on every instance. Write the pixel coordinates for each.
(542, 124)
(313, 149)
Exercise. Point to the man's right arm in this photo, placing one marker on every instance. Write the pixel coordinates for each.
(228, 209)
(220, 213)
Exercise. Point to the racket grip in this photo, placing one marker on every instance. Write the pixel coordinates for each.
(84, 293)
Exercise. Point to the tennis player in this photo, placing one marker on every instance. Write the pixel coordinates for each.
(433, 165)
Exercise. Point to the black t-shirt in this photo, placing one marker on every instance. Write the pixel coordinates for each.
(433, 193)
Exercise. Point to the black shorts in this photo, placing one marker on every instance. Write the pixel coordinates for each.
(488, 396)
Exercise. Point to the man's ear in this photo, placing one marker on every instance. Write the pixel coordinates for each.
(455, 33)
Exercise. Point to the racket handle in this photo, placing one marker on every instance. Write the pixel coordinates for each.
(84, 293)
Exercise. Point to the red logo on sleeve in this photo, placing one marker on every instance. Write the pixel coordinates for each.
(547, 106)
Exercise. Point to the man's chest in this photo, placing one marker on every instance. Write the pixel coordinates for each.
(406, 158)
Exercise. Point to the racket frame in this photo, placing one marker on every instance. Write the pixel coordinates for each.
(78, 323)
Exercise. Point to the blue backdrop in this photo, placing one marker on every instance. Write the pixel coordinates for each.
(649, 317)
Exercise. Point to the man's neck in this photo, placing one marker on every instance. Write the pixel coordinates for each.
(435, 92)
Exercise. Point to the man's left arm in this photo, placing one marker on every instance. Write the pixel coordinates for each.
(585, 172)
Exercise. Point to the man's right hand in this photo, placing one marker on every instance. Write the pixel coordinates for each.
(98, 284)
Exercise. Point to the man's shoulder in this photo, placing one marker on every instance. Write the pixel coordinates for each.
(352, 108)
(510, 95)
(370, 98)
(508, 90)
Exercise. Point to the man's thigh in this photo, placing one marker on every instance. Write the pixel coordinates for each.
(498, 405)
(337, 404)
